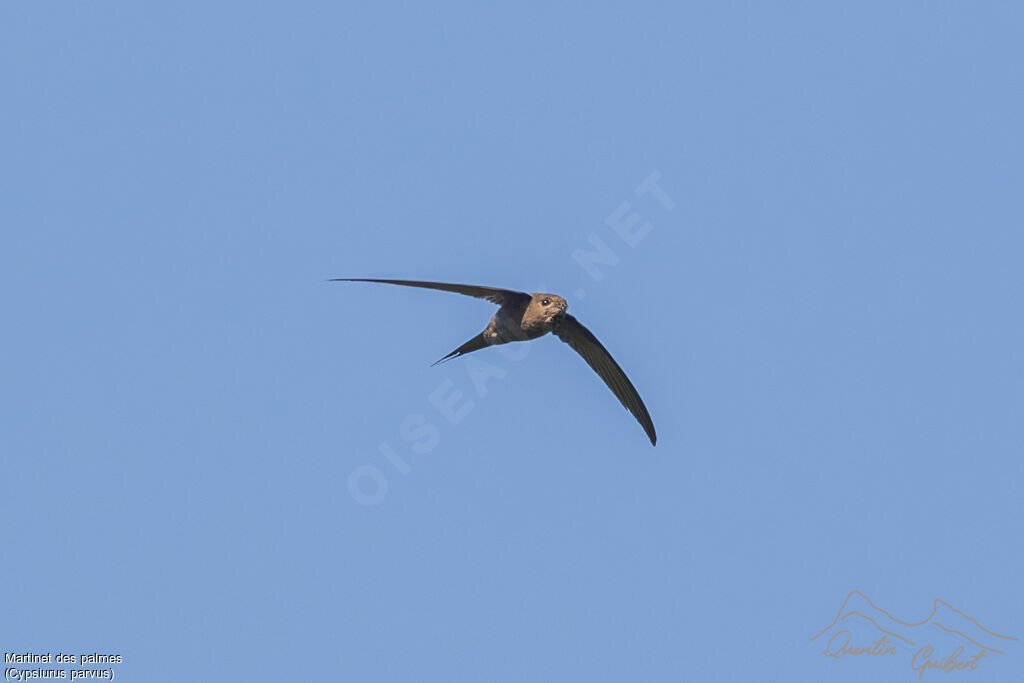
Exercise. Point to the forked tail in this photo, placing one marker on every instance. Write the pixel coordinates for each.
(475, 344)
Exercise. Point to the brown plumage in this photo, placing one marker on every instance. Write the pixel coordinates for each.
(523, 316)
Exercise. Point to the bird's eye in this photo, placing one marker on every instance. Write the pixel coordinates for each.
(545, 302)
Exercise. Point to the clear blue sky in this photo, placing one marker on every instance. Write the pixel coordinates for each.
(824, 319)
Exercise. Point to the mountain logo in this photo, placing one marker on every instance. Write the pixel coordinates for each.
(947, 640)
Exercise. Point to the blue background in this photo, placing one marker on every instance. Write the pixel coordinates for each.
(826, 328)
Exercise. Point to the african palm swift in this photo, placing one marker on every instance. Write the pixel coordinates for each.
(522, 317)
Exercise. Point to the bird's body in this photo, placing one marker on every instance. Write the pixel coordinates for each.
(522, 317)
(522, 320)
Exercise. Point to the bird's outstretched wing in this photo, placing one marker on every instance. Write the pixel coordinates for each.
(492, 294)
(573, 333)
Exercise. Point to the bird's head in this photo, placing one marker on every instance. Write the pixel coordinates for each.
(548, 306)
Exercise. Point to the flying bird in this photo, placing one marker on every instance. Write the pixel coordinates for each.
(522, 317)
